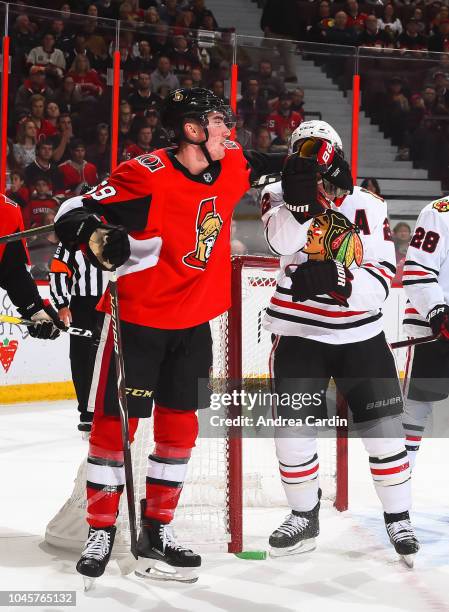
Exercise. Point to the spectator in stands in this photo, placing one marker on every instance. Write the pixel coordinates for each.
(96, 44)
(199, 10)
(23, 39)
(356, 19)
(152, 16)
(185, 23)
(418, 15)
(373, 36)
(417, 112)
(125, 126)
(284, 118)
(76, 172)
(163, 75)
(390, 22)
(431, 103)
(35, 84)
(243, 136)
(68, 96)
(107, 9)
(143, 144)
(442, 15)
(24, 150)
(440, 40)
(442, 66)
(219, 90)
(43, 166)
(99, 152)
(441, 84)
(279, 144)
(44, 127)
(52, 112)
(340, 33)
(281, 20)
(18, 192)
(41, 203)
(62, 139)
(144, 59)
(371, 184)
(186, 81)
(298, 101)
(159, 40)
(11, 164)
(253, 107)
(77, 45)
(87, 78)
(402, 234)
(48, 56)
(262, 141)
(197, 77)
(169, 12)
(411, 38)
(160, 137)
(143, 98)
(270, 86)
(183, 57)
(316, 31)
(394, 110)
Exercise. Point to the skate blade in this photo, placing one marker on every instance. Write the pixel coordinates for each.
(409, 560)
(297, 549)
(89, 583)
(127, 565)
(158, 570)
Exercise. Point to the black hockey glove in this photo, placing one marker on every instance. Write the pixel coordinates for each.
(300, 187)
(47, 324)
(314, 278)
(439, 320)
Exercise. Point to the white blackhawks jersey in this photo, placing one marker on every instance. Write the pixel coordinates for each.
(426, 269)
(322, 318)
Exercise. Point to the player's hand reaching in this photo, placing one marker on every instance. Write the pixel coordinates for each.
(439, 320)
(47, 321)
(110, 245)
(314, 278)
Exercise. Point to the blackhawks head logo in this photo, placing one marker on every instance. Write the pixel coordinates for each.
(332, 236)
(441, 205)
(208, 226)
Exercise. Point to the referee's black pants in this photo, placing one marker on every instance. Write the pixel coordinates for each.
(82, 350)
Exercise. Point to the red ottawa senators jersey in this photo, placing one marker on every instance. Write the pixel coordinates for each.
(178, 274)
(11, 222)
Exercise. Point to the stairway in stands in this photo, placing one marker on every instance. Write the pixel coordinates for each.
(406, 189)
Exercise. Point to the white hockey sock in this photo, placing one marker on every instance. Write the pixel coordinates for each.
(415, 418)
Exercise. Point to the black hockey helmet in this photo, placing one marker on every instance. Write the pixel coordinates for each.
(196, 103)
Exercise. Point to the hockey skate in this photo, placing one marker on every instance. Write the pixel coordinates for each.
(161, 557)
(402, 536)
(96, 554)
(296, 534)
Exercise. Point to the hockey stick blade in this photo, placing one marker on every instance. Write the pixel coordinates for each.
(35, 231)
(73, 331)
(413, 341)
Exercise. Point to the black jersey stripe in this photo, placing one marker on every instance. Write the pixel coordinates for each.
(325, 324)
(380, 279)
(420, 281)
(410, 262)
(314, 458)
(415, 322)
(386, 264)
(401, 455)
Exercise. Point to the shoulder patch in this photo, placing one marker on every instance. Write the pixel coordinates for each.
(230, 144)
(151, 162)
(441, 205)
(378, 197)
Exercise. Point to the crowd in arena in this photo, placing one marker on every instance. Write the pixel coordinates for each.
(60, 85)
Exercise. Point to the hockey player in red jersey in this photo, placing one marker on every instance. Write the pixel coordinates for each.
(337, 262)
(16, 279)
(167, 219)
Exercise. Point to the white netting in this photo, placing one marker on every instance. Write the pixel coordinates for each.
(202, 515)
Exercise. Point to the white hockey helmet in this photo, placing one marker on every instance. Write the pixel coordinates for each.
(315, 129)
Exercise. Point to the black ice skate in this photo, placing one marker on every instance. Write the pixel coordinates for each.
(96, 554)
(296, 534)
(402, 536)
(160, 556)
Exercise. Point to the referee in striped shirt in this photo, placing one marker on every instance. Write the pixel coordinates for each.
(76, 287)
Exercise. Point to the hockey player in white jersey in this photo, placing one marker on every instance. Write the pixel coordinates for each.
(426, 283)
(337, 262)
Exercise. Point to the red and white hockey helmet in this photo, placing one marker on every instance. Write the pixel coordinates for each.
(315, 129)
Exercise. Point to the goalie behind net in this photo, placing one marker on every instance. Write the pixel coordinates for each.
(207, 500)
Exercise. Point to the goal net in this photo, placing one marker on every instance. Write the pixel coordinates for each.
(228, 470)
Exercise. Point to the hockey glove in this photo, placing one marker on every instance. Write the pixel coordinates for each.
(439, 320)
(314, 278)
(47, 321)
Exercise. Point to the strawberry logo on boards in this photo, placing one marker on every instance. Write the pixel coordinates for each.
(8, 349)
(208, 226)
(441, 206)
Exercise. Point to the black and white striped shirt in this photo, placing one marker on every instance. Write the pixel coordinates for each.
(71, 274)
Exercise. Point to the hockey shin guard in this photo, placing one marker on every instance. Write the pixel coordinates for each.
(175, 433)
(414, 422)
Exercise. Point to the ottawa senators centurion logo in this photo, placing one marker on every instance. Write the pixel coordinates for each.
(441, 205)
(208, 226)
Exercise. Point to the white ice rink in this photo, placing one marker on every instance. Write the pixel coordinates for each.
(353, 569)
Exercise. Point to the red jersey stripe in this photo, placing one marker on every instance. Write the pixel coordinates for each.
(411, 273)
(314, 310)
(381, 270)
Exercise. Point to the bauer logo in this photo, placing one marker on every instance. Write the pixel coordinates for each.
(152, 162)
(392, 401)
(143, 393)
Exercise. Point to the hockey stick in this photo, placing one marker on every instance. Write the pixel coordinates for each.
(413, 341)
(73, 331)
(35, 231)
(128, 564)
